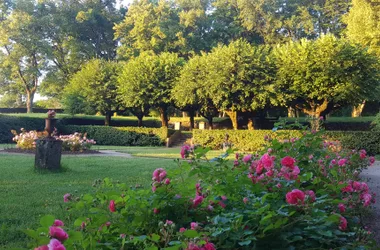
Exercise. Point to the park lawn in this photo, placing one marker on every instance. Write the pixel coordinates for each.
(27, 195)
(335, 119)
(163, 152)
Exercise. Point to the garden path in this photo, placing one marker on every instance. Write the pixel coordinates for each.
(104, 153)
(373, 176)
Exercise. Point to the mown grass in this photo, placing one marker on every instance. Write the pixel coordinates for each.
(336, 119)
(26, 195)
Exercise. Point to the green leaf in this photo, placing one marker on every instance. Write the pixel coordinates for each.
(245, 243)
(190, 233)
(155, 237)
(31, 233)
(47, 221)
(75, 236)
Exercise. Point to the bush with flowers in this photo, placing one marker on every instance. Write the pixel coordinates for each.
(296, 194)
(74, 142)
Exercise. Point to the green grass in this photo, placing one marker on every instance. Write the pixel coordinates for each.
(27, 195)
(162, 152)
(337, 119)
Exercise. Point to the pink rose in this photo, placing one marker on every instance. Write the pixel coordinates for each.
(58, 233)
(185, 151)
(193, 246)
(169, 222)
(367, 199)
(343, 224)
(372, 160)
(167, 181)
(224, 197)
(295, 197)
(267, 160)
(55, 245)
(159, 175)
(66, 197)
(193, 225)
(222, 204)
(156, 210)
(112, 206)
(209, 246)
(182, 230)
(58, 223)
(197, 200)
(122, 236)
(288, 161)
(247, 158)
(342, 162)
(342, 208)
(245, 200)
(311, 195)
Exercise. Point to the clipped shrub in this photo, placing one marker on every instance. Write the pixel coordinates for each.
(9, 123)
(253, 140)
(120, 136)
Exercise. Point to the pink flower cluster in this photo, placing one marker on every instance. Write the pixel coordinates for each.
(186, 150)
(360, 188)
(298, 197)
(58, 236)
(159, 178)
(289, 171)
(194, 246)
(75, 142)
(262, 168)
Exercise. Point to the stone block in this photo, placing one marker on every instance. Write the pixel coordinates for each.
(48, 154)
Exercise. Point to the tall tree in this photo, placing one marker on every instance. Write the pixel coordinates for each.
(24, 47)
(191, 93)
(241, 79)
(318, 75)
(147, 81)
(96, 83)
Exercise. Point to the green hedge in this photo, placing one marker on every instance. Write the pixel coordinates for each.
(120, 136)
(7, 123)
(246, 140)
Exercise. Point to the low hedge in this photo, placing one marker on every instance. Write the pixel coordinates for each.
(246, 140)
(120, 136)
(114, 122)
(7, 123)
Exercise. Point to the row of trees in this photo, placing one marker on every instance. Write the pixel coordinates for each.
(314, 76)
(44, 43)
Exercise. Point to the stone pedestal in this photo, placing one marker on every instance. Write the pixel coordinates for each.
(48, 154)
(202, 125)
(177, 125)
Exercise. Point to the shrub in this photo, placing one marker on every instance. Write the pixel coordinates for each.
(247, 140)
(123, 136)
(26, 140)
(75, 142)
(295, 194)
(8, 123)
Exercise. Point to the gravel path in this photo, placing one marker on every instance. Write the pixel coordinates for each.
(373, 176)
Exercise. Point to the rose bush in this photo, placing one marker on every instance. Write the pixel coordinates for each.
(74, 142)
(296, 194)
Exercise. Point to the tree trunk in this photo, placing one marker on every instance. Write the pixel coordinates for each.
(140, 120)
(192, 123)
(357, 110)
(29, 101)
(210, 122)
(107, 120)
(164, 116)
(234, 118)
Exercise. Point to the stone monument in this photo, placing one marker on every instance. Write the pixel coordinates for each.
(48, 149)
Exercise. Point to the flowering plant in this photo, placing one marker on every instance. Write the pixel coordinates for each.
(296, 194)
(75, 142)
(25, 139)
(51, 114)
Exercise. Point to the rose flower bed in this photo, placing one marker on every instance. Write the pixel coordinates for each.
(73, 143)
(296, 194)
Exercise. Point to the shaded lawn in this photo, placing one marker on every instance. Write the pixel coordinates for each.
(27, 195)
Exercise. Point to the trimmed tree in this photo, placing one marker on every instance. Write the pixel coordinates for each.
(316, 76)
(96, 83)
(147, 81)
(241, 79)
(190, 92)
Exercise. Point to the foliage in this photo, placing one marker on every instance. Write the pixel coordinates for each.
(147, 80)
(96, 84)
(251, 141)
(120, 136)
(317, 76)
(76, 142)
(8, 123)
(295, 194)
(363, 24)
